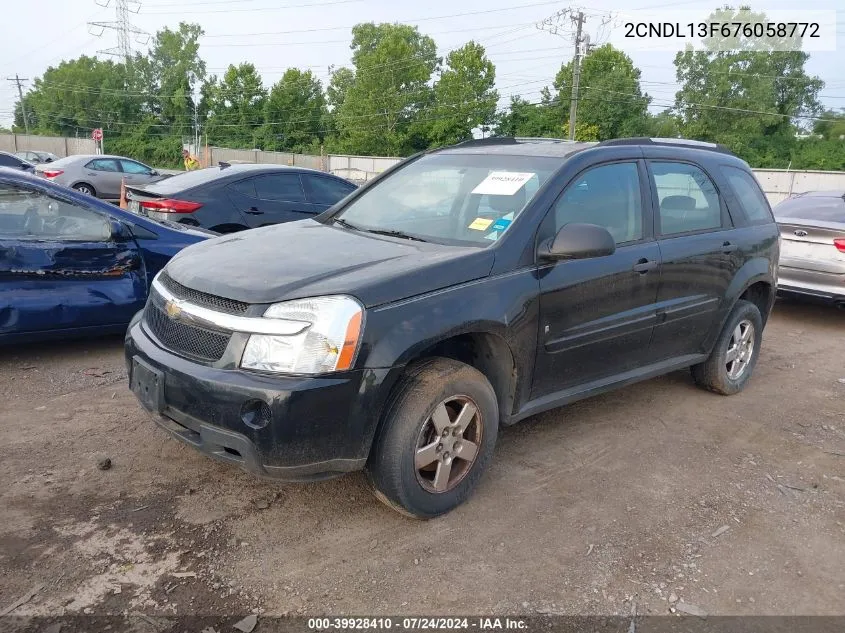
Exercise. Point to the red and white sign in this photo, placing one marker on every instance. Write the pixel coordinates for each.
(97, 134)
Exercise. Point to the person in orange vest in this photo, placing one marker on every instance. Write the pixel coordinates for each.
(191, 163)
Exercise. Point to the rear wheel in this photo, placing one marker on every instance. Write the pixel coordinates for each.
(735, 354)
(84, 187)
(437, 439)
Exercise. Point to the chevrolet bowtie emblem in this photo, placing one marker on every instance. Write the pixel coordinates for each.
(173, 308)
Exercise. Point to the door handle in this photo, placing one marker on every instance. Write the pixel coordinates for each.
(644, 265)
(254, 211)
(727, 247)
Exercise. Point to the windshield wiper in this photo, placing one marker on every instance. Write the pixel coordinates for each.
(393, 233)
(346, 224)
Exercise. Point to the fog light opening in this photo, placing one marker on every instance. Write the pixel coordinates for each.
(255, 414)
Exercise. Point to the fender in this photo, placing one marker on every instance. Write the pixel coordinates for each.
(506, 306)
(754, 270)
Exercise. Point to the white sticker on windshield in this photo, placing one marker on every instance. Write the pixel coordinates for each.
(503, 183)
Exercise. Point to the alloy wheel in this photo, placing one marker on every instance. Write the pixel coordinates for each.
(448, 444)
(740, 349)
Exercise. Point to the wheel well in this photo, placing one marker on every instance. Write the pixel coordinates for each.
(82, 182)
(489, 354)
(229, 228)
(760, 294)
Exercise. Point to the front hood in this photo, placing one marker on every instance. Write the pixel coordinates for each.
(308, 259)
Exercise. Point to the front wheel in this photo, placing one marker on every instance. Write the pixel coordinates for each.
(735, 354)
(436, 440)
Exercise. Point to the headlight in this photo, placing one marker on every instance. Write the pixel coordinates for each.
(328, 343)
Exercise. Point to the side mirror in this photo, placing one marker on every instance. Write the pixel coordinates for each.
(578, 241)
(154, 172)
(118, 232)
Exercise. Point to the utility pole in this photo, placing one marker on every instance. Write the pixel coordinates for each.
(19, 82)
(578, 19)
(569, 23)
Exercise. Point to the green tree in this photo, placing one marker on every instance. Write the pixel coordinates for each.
(665, 124)
(523, 118)
(381, 111)
(295, 113)
(831, 125)
(234, 107)
(79, 95)
(464, 96)
(745, 97)
(169, 75)
(609, 95)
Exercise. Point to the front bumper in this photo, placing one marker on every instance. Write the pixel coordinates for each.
(281, 427)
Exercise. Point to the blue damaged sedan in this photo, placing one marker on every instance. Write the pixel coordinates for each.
(72, 265)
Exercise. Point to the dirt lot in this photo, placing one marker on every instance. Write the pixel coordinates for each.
(656, 493)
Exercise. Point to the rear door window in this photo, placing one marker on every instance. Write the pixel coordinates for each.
(103, 164)
(751, 198)
(281, 187)
(688, 199)
(245, 187)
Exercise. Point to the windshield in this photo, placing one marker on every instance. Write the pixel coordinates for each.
(450, 198)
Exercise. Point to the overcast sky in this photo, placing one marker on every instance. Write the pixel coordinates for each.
(35, 34)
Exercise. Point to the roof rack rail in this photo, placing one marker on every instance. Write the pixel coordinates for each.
(509, 140)
(675, 142)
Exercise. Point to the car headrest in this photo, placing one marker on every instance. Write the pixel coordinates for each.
(678, 203)
(506, 204)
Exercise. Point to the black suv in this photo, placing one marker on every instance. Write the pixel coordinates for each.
(466, 288)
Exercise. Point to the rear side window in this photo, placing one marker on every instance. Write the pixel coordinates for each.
(9, 161)
(245, 187)
(748, 192)
(688, 198)
(103, 164)
(326, 190)
(282, 187)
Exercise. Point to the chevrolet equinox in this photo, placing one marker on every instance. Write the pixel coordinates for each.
(464, 289)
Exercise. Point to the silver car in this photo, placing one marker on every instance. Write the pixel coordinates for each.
(812, 255)
(37, 157)
(98, 175)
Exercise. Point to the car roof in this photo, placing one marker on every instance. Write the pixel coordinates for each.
(518, 146)
(560, 148)
(185, 181)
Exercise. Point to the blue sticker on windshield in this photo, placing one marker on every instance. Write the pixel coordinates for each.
(501, 224)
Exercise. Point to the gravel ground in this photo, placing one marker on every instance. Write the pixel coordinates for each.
(656, 497)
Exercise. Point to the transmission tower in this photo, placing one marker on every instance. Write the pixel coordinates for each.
(126, 31)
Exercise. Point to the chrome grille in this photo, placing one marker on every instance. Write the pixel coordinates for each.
(181, 338)
(203, 299)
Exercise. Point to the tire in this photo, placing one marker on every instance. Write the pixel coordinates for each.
(722, 375)
(430, 390)
(84, 187)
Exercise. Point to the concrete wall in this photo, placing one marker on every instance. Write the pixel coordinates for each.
(777, 184)
(58, 145)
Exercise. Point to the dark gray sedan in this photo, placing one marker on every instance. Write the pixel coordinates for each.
(98, 175)
(812, 255)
